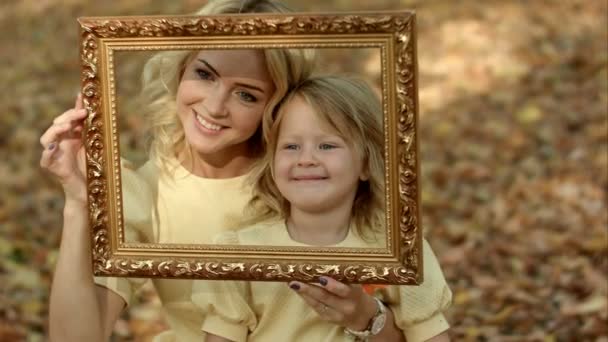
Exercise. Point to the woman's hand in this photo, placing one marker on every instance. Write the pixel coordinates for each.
(346, 305)
(63, 153)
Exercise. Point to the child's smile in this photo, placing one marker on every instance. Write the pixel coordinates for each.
(308, 178)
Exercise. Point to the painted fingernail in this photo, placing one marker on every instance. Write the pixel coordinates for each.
(322, 281)
(295, 286)
(51, 146)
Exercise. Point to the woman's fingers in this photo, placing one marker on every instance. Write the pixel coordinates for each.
(79, 103)
(326, 311)
(63, 153)
(346, 305)
(327, 289)
(315, 292)
(77, 129)
(53, 133)
(319, 301)
(337, 288)
(47, 157)
(71, 119)
(70, 115)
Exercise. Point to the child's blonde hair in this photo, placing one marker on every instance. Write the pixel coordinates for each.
(351, 108)
(163, 72)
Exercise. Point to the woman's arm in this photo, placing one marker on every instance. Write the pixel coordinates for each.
(79, 310)
(348, 306)
(390, 332)
(443, 337)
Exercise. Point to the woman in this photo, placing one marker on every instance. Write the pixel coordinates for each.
(205, 113)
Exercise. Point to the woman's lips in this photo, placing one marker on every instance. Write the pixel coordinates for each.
(206, 125)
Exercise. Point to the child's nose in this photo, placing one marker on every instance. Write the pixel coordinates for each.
(307, 157)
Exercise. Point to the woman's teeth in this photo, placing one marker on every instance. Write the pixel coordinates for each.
(207, 124)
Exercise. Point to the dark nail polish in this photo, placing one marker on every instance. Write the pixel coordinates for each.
(323, 281)
(295, 286)
(51, 146)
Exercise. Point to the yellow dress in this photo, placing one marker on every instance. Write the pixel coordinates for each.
(181, 209)
(271, 311)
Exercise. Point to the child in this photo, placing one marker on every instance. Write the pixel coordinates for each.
(206, 108)
(321, 184)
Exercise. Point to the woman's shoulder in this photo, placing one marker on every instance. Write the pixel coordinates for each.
(143, 172)
(149, 171)
(137, 203)
(132, 178)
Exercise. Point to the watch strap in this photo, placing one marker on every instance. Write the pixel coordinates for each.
(363, 335)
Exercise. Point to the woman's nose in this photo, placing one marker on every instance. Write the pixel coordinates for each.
(215, 103)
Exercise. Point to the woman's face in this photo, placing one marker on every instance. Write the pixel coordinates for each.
(220, 100)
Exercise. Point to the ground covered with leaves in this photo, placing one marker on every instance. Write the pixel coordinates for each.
(514, 155)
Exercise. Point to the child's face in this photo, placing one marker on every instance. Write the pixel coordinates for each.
(314, 168)
(221, 99)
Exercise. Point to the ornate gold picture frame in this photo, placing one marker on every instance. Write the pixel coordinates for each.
(391, 34)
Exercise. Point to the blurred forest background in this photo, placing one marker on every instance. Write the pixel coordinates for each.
(514, 155)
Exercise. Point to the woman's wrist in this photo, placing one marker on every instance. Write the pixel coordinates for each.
(368, 312)
(74, 207)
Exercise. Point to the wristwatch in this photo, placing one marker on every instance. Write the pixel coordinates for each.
(375, 324)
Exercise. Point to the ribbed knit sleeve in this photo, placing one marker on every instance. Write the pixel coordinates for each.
(418, 309)
(226, 309)
(225, 303)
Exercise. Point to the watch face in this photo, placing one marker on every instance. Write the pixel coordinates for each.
(378, 324)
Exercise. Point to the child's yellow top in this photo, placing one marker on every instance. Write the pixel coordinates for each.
(183, 209)
(271, 311)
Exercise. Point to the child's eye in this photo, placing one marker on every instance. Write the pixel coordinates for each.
(247, 97)
(204, 74)
(290, 147)
(327, 146)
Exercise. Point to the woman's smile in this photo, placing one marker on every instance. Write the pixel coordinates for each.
(207, 125)
(221, 101)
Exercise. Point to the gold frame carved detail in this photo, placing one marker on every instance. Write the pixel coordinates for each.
(392, 32)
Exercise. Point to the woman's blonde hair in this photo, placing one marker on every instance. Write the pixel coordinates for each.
(162, 74)
(352, 109)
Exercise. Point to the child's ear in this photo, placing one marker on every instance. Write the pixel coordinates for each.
(364, 176)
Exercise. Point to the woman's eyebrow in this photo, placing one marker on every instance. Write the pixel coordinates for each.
(244, 85)
(210, 67)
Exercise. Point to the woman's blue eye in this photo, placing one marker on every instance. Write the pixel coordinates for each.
(245, 96)
(326, 146)
(204, 74)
